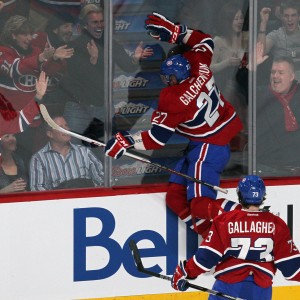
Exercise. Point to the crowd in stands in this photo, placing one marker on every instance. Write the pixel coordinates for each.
(59, 46)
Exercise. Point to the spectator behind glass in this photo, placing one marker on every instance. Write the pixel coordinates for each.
(40, 11)
(59, 32)
(12, 121)
(278, 120)
(284, 41)
(20, 66)
(230, 54)
(85, 80)
(13, 174)
(61, 164)
(198, 14)
(21, 63)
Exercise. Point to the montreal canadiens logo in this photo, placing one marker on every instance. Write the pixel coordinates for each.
(25, 83)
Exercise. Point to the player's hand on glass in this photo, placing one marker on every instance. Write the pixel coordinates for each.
(162, 29)
(117, 146)
(63, 52)
(178, 281)
(41, 85)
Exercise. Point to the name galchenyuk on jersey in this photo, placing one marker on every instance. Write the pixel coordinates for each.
(195, 88)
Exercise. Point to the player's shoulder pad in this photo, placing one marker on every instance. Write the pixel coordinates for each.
(169, 100)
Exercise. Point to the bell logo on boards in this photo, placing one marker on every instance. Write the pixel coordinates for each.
(121, 254)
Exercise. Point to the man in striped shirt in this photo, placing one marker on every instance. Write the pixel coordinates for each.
(59, 163)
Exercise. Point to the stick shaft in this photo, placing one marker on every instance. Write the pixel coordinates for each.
(138, 261)
(52, 124)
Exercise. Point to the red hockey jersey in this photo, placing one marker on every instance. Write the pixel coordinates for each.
(18, 74)
(195, 108)
(21, 121)
(242, 243)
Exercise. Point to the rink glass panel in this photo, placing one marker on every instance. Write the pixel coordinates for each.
(130, 98)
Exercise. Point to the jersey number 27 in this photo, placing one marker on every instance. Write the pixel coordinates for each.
(211, 101)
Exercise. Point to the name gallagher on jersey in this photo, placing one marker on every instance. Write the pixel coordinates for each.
(195, 88)
(254, 226)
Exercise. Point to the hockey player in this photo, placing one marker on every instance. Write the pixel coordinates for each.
(246, 246)
(191, 105)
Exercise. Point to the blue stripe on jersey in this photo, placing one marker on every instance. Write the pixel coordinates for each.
(198, 118)
(208, 133)
(207, 258)
(209, 43)
(253, 254)
(290, 266)
(242, 266)
(228, 205)
(23, 122)
(161, 134)
(189, 222)
(15, 68)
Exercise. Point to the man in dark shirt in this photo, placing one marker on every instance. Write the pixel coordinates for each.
(85, 81)
(278, 117)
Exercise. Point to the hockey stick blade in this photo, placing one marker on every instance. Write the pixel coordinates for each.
(140, 267)
(53, 125)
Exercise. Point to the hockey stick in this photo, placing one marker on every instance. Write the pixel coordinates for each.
(52, 124)
(140, 267)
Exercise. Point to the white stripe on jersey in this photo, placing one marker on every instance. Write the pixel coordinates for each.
(199, 265)
(8, 87)
(154, 139)
(207, 45)
(286, 258)
(21, 125)
(232, 268)
(198, 168)
(293, 275)
(164, 126)
(23, 117)
(206, 133)
(212, 250)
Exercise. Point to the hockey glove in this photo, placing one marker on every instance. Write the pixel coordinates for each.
(6, 109)
(178, 281)
(117, 146)
(162, 29)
